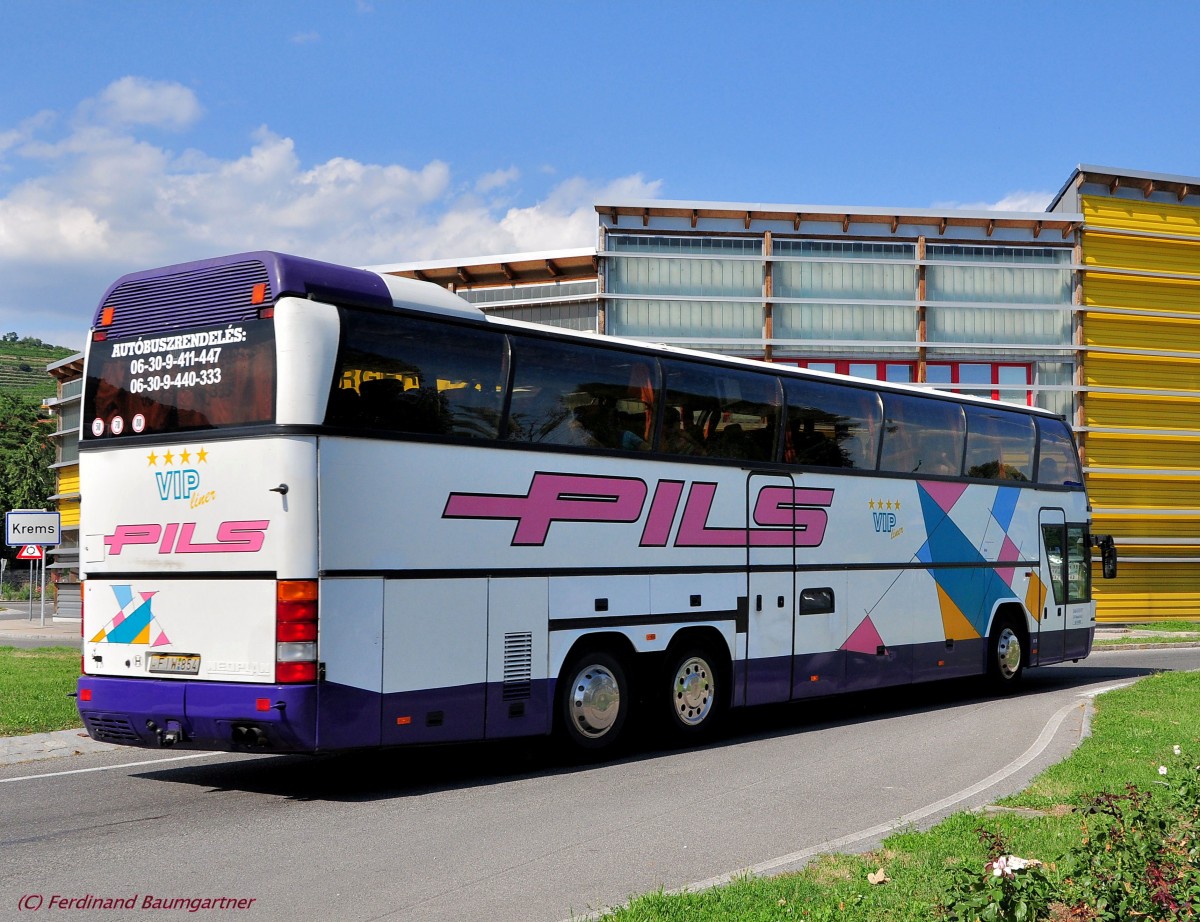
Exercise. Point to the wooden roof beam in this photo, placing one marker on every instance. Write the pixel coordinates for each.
(1113, 185)
(796, 222)
(464, 275)
(747, 220)
(895, 223)
(614, 217)
(991, 227)
(1148, 189)
(554, 271)
(1037, 229)
(508, 272)
(420, 276)
(645, 217)
(942, 227)
(845, 224)
(695, 218)
(1182, 191)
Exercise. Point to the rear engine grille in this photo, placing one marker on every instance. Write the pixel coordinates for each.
(112, 729)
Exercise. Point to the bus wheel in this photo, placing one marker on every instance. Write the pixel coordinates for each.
(595, 700)
(1006, 656)
(694, 692)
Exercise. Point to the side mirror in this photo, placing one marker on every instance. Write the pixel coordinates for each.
(1108, 555)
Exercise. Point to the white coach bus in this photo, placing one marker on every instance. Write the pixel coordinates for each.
(328, 509)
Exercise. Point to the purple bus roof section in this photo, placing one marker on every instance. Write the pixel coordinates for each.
(284, 275)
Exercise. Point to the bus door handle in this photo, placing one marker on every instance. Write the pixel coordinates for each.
(758, 603)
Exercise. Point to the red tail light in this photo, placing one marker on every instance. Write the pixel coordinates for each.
(296, 630)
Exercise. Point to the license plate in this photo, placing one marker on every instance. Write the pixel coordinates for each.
(175, 663)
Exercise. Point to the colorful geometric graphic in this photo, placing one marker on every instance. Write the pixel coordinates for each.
(864, 639)
(968, 584)
(134, 622)
(966, 593)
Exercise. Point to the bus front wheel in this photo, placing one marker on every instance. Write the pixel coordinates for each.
(594, 700)
(1006, 656)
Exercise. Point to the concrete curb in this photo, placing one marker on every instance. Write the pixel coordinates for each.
(38, 746)
(1106, 647)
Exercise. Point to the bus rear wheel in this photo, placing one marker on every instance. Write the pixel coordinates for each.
(594, 700)
(693, 694)
(1006, 656)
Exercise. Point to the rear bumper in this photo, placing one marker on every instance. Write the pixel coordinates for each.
(156, 713)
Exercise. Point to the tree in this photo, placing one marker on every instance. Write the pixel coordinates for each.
(26, 481)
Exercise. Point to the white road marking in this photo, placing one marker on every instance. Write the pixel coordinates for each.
(110, 768)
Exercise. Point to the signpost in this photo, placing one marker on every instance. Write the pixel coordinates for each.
(32, 530)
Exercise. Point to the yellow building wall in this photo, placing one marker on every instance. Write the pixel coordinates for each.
(68, 509)
(1140, 327)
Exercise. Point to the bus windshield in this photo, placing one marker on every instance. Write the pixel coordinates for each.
(179, 382)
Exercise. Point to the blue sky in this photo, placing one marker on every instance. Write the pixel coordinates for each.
(140, 134)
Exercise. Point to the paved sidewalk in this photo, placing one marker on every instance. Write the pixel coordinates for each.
(38, 746)
(17, 625)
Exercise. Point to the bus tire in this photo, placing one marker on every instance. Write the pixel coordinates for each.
(594, 700)
(1006, 656)
(694, 687)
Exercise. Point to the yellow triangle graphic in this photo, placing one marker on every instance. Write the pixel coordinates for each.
(143, 637)
(99, 637)
(954, 622)
(1035, 596)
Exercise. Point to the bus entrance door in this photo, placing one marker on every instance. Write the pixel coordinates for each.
(770, 593)
(1052, 572)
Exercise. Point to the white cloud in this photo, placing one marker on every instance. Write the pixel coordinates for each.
(1014, 201)
(567, 217)
(26, 130)
(138, 101)
(305, 38)
(97, 200)
(497, 179)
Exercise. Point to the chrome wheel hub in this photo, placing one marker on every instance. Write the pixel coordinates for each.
(1008, 653)
(595, 701)
(693, 689)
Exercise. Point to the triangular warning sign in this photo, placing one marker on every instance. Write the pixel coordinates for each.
(30, 552)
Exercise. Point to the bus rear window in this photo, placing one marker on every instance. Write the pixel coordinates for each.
(178, 382)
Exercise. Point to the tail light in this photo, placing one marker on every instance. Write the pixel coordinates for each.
(296, 630)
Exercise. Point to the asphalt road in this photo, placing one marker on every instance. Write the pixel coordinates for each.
(513, 831)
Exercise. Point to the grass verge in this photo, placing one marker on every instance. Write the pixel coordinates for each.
(1160, 631)
(34, 689)
(1167, 626)
(1133, 732)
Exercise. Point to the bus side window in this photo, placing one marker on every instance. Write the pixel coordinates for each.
(406, 374)
(723, 413)
(922, 436)
(831, 425)
(1058, 462)
(564, 394)
(999, 444)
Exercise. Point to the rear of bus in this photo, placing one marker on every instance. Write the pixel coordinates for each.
(198, 457)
